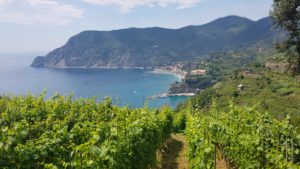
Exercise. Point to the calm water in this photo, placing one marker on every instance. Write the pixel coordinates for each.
(129, 86)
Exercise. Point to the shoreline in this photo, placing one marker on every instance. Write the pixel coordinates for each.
(65, 67)
(165, 95)
(179, 76)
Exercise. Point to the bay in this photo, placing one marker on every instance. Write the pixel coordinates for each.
(127, 86)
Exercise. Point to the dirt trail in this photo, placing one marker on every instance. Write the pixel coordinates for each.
(221, 162)
(175, 156)
(176, 152)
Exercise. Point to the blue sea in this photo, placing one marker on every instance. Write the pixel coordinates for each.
(130, 87)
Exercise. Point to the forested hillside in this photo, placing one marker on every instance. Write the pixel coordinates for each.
(149, 47)
(259, 88)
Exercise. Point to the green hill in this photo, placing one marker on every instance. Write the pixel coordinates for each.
(148, 47)
(264, 90)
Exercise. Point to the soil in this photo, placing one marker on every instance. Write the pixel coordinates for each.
(175, 155)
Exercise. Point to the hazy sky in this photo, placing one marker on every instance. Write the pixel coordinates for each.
(42, 25)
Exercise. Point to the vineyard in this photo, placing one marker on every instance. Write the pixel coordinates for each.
(62, 132)
(246, 138)
(65, 133)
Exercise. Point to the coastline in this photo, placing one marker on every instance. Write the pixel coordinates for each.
(179, 76)
(176, 72)
(104, 67)
(165, 95)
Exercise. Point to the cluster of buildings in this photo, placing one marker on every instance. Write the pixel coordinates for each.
(198, 72)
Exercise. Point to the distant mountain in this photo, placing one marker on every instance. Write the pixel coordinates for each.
(148, 47)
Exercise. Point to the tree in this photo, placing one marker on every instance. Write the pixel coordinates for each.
(286, 15)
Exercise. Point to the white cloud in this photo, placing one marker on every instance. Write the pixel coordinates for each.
(46, 12)
(127, 5)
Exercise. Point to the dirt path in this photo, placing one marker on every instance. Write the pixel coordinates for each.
(221, 162)
(175, 156)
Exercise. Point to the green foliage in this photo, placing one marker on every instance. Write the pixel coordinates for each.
(179, 122)
(220, 65)
(285, 92)
(248, 139)
(276, 93)
(152, 47)
(201, 101)
(65, 133)
(286, 15)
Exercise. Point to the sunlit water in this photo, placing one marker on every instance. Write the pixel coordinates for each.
(128, 86)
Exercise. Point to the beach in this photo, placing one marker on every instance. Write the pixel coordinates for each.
(178, 74)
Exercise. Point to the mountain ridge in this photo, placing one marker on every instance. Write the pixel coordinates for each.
(154, 47)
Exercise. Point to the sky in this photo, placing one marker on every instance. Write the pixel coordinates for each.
(39, 26)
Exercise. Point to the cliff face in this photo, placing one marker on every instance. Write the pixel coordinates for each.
(156, 46)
